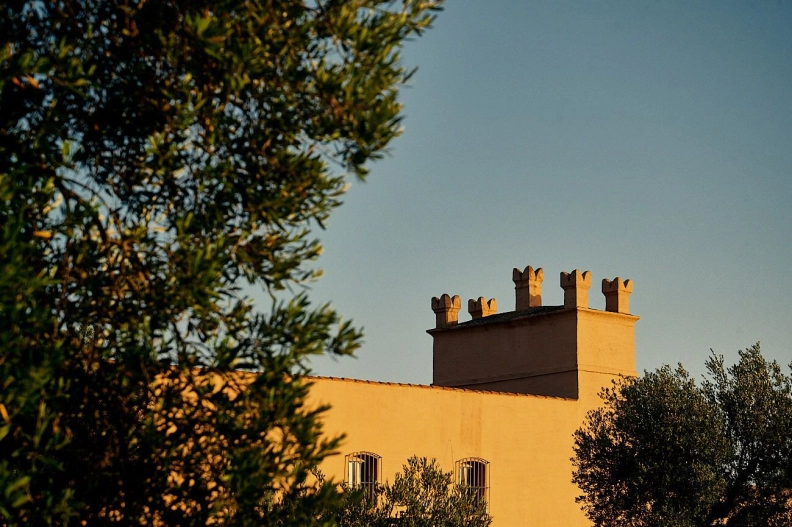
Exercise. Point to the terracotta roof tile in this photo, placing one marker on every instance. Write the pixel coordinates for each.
(433, 387)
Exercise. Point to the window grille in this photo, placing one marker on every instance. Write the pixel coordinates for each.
(473, 477)
(363, 471)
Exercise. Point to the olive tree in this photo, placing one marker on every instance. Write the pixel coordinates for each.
(159, 160)
(421, 495)
(666, 451)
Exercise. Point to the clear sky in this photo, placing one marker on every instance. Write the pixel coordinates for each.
(646, 140)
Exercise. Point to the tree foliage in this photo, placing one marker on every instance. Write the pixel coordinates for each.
(665, 451)
(421, 495)
(155, 158)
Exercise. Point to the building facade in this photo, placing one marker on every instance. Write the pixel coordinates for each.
(509, 389)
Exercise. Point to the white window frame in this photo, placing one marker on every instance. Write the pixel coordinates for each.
(473, 475)
(363, 470)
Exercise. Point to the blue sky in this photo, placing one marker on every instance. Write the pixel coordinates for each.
(651, 141)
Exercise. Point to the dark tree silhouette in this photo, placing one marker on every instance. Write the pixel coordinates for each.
(666, 451)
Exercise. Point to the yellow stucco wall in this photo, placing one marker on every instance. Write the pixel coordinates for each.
(555, 359)
(526, 438)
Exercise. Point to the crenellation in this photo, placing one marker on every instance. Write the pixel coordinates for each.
(560, 351)
(617, 294)
(528, 295)
(480, 308)
(446, 310)
(576, 286)
(527, 288)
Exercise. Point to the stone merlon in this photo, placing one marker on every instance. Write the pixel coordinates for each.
(576, 286)
(527, 288)
(482, 308)
(446, 309)
(617, 294)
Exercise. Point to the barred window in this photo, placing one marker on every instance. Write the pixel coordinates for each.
(363, 470)
(473, 476)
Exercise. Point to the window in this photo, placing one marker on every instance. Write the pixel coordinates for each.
(363, 470)
(473, 477)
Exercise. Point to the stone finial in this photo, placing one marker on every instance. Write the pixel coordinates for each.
(527, 288)
(576, 286)
(481, 308)
(617, 294)
(446, 310)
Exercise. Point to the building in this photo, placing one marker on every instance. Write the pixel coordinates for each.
(509, 389)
